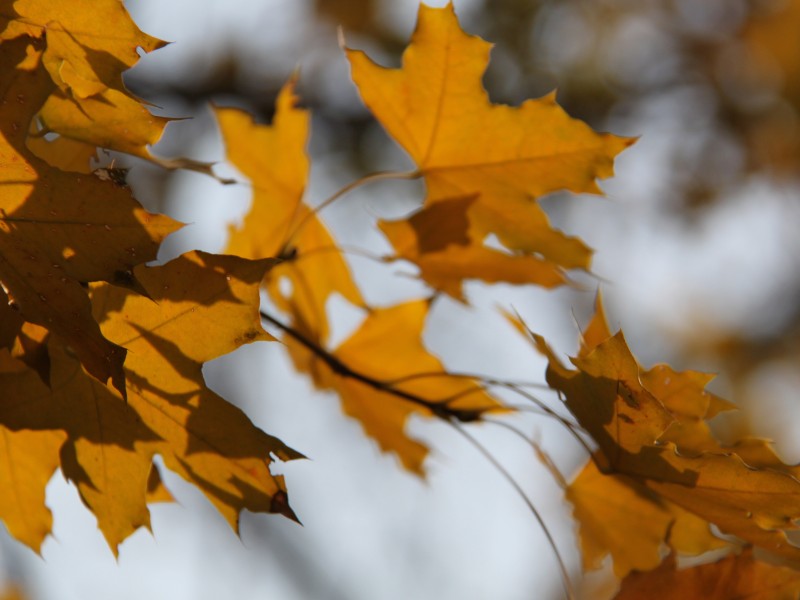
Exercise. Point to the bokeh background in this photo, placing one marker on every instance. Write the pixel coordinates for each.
(697, 254)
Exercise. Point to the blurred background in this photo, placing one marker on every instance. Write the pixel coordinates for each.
(697, 255)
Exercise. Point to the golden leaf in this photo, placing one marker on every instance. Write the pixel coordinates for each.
(279, 224)
(436, 108)
(384, 374)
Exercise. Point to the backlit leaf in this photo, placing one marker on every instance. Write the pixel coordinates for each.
(110, 444)
(505, 157)
(88, 45)
(384, 374)
(609, 395)
(279, 224)
(619, 516)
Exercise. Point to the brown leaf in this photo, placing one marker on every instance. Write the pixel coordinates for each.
(52, 224)
(731, 577)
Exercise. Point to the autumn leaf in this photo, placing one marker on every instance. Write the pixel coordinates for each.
(621, 517)
(631, 423)
(439, 240)
(110, 444)
(505, 157)
(203, 438)
(87, 46)
(383, 375)
(52, 224)
(279, 224)
(34, 455)
(741, 576)
(609, 402)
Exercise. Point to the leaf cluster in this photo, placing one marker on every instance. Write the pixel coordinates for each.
(101, 352)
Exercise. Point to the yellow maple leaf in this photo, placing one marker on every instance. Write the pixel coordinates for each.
(202, 437)
(439, 240)
(632, 422)
(34, 455)
(384, 374)
(618, 516)
(436, 108)
(52, 224)
(87, 45)
(279, 224)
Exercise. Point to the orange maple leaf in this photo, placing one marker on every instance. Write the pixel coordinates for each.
(631, 414)
(436, 108)
(384, 374)
(741, 576)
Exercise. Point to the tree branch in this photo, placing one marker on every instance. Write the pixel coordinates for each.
(438, 409)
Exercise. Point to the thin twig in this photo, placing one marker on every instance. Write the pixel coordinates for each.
(571, 427)
(452, 416)
(540, 453)
(513, 482)
(463, 375)
(380, 175)
(439, 409)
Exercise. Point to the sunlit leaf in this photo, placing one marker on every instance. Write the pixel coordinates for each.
(384, 374)
(436, 108)
(279, 224)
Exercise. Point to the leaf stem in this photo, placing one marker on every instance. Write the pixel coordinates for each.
(452, 416)
(481, 378)
(377, 176)
(540, 453)
(571, 427)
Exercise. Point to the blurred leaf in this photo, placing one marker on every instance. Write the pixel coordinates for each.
(279, 224)
(384, 374)
(731, 577)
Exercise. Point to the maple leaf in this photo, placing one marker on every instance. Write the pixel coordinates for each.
(621, 517)
(208, 441)
(384, 374)
(279, 224)
(439, 242)
(34, 455)
(504, 157)
(52, 224)
(88, 46)
(170, 411)
(734, 576)
(631, 424)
